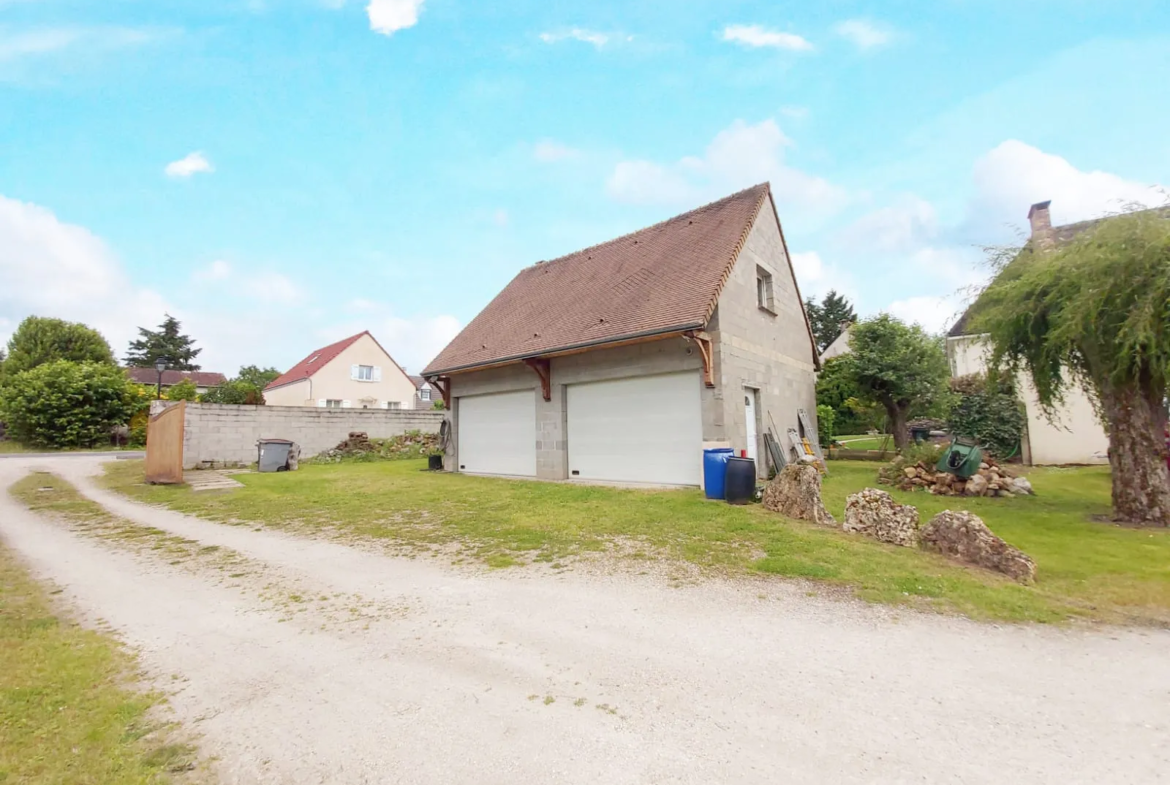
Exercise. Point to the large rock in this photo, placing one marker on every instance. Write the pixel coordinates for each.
(796, 492)
(964, 536)
(875, 514)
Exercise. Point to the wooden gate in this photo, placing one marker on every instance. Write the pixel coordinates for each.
(164, 445)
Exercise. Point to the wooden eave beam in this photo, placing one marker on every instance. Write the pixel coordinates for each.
(444, 385)
(701, 339)
(543, 368)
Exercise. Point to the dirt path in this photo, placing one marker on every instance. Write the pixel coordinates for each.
(521, 676)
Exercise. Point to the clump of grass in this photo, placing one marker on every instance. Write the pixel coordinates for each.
(67, 712)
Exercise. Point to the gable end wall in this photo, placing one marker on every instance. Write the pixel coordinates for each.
(756, 350)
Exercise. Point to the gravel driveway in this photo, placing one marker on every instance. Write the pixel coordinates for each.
(322, 663)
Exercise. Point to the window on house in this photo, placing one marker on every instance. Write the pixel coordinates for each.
(365, 373)
(332, 403)
(393, 405)
(764, 290)
(424, 394)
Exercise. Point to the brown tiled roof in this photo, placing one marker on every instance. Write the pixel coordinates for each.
(199, 378)
(417, 381)
(663, 278)
(314, 360)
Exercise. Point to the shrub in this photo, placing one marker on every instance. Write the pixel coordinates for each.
(826, 417)
(989, 412)
(183, 391)
(39, 340)
(236, 391)
(67, 404)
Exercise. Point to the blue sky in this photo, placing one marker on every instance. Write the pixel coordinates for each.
(281, 174)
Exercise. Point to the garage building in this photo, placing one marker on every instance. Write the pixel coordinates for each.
(622, 361)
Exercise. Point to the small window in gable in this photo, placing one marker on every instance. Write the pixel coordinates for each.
(425, 394)
(365, 373)
(764, 297)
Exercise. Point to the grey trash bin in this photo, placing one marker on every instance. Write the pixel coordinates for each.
(273, 454)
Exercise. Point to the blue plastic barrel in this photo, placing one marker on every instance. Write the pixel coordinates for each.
(715, 470)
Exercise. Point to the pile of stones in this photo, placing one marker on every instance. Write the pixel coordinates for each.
(992, 479)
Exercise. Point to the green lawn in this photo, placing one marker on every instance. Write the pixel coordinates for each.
(67, 711)
(865, 442)
(1085, 569)
(7, 446)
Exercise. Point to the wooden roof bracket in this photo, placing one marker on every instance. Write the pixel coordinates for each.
(543, 368)
(444, 385)
(700, 339)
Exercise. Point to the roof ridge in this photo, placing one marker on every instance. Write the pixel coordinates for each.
(663, 222)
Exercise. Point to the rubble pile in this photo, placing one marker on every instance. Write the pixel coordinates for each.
(358, 446)
(796, 492)
(992, 479)
(875, 514)
(964, 536)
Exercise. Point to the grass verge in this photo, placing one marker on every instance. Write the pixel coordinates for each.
(68, 710)
(1086, 569)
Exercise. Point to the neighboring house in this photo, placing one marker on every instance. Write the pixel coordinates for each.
(203, 380)
(1076, 436)
(620, 362)
(354, 373)
(425, 395)
(840, 344)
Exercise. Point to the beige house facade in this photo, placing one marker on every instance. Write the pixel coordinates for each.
(1075, 434)
(355, 373)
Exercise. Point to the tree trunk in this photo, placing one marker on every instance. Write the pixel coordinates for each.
(1137, 454)
(898, 427)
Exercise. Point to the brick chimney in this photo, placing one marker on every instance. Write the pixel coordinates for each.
(1041, 223)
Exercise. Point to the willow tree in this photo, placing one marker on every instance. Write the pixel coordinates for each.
(1094, 313)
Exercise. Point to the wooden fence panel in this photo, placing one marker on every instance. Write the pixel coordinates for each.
(164, 445)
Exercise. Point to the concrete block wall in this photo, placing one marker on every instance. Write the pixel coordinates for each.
(224, 435)
(552, 456)
(768, 355)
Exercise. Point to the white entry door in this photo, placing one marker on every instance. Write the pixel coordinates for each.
(749, 413)
(646, 429)
(497, 433)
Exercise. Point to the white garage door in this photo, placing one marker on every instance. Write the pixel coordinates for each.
(647, 429)
(497, 433)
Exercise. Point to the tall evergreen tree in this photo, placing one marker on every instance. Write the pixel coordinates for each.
(828, 317)
(167, 341)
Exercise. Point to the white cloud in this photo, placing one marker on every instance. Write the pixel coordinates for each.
(756, 36)
(864, 34)
(389, 16)
(547, 151)
(739, 156)
(1014, 175)
(191, 163)
(593, 37)
(52, 268)
(808, 267)
(263, 286)
(18, 44)
(933, 314)
(903, 226)
(218, 270)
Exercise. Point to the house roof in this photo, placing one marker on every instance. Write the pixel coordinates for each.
(664, 278)
(1061, 235)
(314, 360)
(169, 378)
(417, 381)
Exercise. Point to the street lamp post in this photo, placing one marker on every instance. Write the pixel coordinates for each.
(160, 365)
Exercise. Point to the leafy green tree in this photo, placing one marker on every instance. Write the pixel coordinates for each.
(1095, 313)
(900, 367)
(39, 340)
(827, 317)
(183, 391)
(837, 388)
(235, 391)
(67, 404)
(167, 341)
(988, 411)
(256, 376)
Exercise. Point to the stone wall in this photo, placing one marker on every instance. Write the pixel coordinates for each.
(225, 435)
(765, 354)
